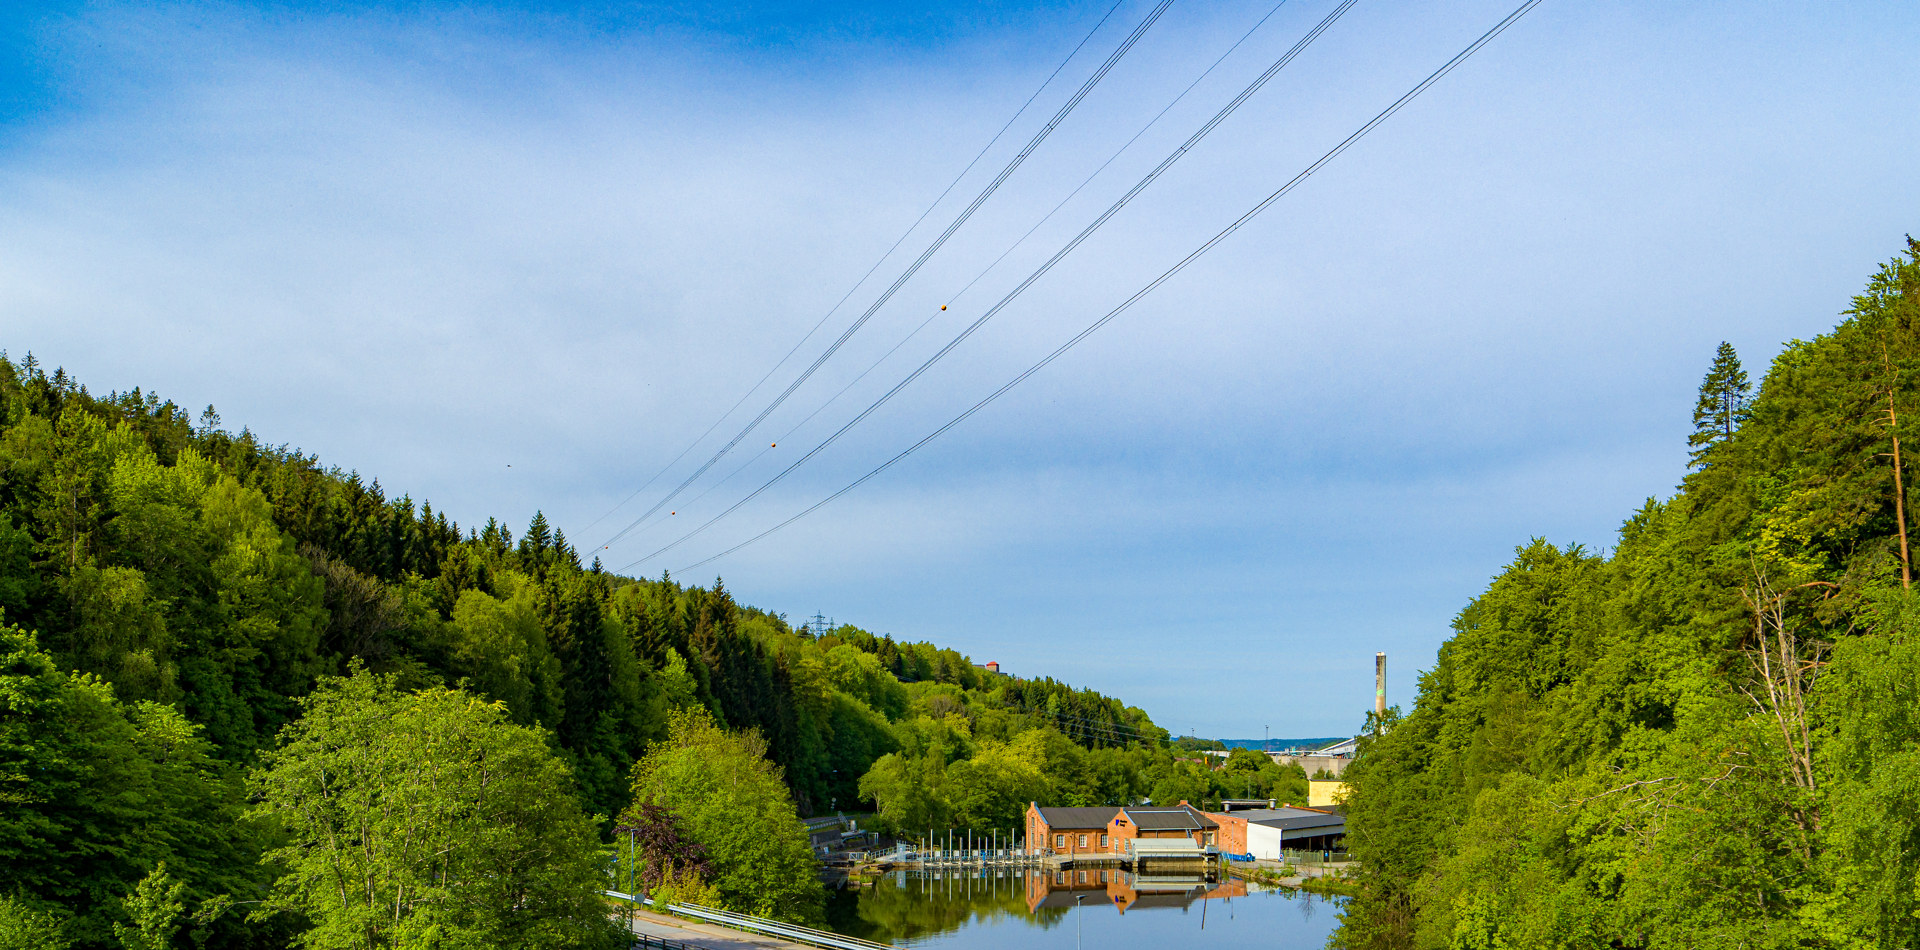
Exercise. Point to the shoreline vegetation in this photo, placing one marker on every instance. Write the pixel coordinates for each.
(225, 668)
(1708, 735)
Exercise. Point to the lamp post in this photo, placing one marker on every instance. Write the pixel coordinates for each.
(1079, 929)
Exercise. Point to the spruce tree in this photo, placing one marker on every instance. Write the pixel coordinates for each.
(1723, 405)
(535, 544)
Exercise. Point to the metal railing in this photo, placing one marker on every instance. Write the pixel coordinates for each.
(651, 942)
(973, 857)
(760, 925)
(1315, 858)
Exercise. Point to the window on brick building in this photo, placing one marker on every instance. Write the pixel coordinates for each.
(1083, 841)
(1059, 841)
(1103, 841)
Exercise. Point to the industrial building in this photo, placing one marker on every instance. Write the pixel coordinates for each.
(1181, 833)
(1267, 833)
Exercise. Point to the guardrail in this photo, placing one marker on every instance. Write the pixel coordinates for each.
(760, 925)
(1315, 858)
(651, 942)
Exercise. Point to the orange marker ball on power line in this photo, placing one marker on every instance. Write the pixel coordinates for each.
(773, 445)
(943, 306)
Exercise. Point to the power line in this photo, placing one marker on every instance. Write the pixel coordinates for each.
(1003, 254)
(914, 268)
(1039, 272)
(870, 271)
(1113, 729)
(1181, 265)
(1115, 724)
(1117, 153)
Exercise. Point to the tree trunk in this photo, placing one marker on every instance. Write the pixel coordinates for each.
(1899, 489)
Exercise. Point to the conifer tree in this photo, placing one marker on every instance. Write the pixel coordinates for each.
(538, 536)
(535, 544)
(1723, 405)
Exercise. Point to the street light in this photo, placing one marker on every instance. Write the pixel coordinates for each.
(1079, 929)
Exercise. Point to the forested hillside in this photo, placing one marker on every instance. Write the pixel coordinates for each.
(1708, 736)
(174, 593)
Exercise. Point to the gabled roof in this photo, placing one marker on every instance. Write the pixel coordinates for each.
(1163, 899)
(1294, 819)
(1064, 897)
(1178, 818)
(1095, 816)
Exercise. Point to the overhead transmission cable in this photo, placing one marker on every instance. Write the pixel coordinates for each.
(1003, 254)
(1166, 275)
(914, 268)
(1039, 272)
(876, 264)
(1112, 728)
(1117, 152)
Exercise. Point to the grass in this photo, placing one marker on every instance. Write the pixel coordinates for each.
(1332, 885)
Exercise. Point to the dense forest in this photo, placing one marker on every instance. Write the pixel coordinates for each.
(1707, 736)
(205, 641)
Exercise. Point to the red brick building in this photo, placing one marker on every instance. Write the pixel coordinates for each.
(1176, 821)
(1070, 831)
(1097, 833)
(1233, 832)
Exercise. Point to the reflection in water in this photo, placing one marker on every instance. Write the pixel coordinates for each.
(904, 905)
(1124, 889)
(1020, 907)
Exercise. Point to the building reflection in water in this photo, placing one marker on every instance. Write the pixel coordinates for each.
(1123, 889)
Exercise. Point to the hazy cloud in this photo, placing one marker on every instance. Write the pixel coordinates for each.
(430, 246)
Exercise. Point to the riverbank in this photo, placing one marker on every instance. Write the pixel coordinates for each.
(1329, 880)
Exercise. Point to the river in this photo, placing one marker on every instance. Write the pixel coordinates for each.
(1109, 909)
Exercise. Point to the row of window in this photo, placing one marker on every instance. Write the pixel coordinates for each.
(1060, 877)
(1060, 841)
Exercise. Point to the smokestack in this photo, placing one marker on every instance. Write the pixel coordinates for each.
(1380, 683)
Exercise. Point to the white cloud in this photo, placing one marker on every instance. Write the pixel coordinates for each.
(432, 247)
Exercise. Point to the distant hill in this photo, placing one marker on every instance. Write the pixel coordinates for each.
(1282, 745)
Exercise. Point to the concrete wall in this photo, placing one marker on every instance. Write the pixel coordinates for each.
(1335, 764)
(1322, 794)
(1263, 842)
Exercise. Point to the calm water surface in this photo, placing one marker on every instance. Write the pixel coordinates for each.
(1109, 910)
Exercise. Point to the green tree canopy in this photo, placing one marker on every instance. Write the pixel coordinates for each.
(95, 792)
(190, 584)
(729, 799)
(1706, 737)
(25, 927)
(426, 819)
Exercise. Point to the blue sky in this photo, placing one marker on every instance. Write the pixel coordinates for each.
(509, 257)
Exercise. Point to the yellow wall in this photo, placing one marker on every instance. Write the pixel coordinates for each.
(1325, 792)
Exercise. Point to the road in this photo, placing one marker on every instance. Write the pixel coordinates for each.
(707, 936)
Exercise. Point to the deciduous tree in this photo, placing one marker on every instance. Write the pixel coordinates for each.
(426, 819)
